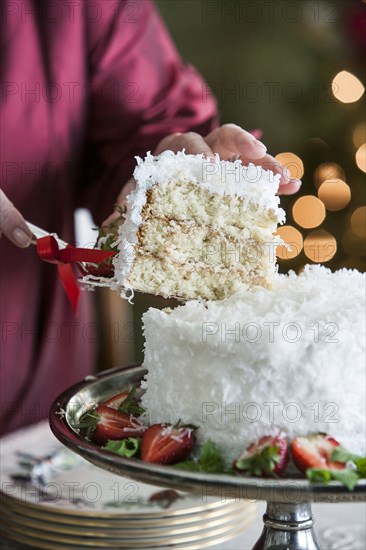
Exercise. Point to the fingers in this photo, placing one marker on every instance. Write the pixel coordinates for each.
(231, 142)
(230, 139)
(12, 223)
(193, 144)
(270, 163)
(290, 188)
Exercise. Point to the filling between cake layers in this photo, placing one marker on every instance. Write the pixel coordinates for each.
(194, 243)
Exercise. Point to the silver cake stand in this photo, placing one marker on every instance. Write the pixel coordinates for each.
(288, 522)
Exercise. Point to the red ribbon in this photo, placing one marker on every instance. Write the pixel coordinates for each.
(49, 251)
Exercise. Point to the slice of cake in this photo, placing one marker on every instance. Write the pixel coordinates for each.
(290, 359)
(198, 229)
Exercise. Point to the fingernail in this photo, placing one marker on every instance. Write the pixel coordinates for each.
(259, 145)
(286, 174)
(21, 237)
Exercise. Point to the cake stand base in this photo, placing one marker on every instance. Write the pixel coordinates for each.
(288, 522)
(287, 527)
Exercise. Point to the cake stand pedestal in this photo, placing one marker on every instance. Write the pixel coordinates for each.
(287, 526)
(288, 522)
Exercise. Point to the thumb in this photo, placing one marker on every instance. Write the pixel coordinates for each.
(12, 223)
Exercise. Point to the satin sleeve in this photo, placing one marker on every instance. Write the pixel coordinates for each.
(140, 91)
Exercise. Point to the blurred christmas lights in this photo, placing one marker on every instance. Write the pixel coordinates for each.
(361, 157)
(308, 211)
(335, 194)
(328, 171)
(293, 163)
(347, 88)
(320, 246)
(291, 237)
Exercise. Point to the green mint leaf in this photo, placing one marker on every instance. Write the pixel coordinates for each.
(126, 447)
(340, 454)
(129, 405)
(262, 463)
(316, 475)
(179, 424)
(347, 476)
(361, 467)
(210, 460)
(88, 421)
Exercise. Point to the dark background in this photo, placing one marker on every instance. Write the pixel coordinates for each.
(271, 65)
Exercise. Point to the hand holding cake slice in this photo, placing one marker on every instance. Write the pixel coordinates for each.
(198, 228)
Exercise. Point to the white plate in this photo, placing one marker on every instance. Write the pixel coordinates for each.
(38, 471)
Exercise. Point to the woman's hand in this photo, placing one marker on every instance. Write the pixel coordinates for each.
(231, 142)
(12, 223)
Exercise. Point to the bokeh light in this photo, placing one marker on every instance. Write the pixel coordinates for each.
(361, 157)
(359, 134)
(293, 163)
(291, 236)
(358, 222)
(353, 244)
(335, 194)
(347, 88)
(308, 211)
(320, 246)
(328, 171)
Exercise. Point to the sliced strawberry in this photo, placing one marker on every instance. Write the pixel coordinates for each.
(104, 269)
(105, 423)
(125, 402)
(167, 444)
(266, 457)
(314, 451)
(116, 401)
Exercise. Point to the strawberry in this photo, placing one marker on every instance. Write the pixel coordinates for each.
(105, 423)
(167, 444)
(125, 402)
(104, 269)
(116, 401)
(314, 451)
(267, 457)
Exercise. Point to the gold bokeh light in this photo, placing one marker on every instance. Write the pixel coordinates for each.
(347, 88)
(292, 237)
(353, 245)
(320, 246)
(359, 134)
(361, 157)
(335, 194)
(358, 222)
(308, 211)
(293, 163)
(328, 171)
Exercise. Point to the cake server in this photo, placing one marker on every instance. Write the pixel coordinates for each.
(38, 232)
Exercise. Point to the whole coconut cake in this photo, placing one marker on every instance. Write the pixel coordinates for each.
(290, 358)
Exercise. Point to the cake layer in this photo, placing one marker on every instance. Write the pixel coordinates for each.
(188, 242)
(183, 201)
(161, 276)
(290, 359)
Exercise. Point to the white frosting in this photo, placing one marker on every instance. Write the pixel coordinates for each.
(253, 183)
(291, 358)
